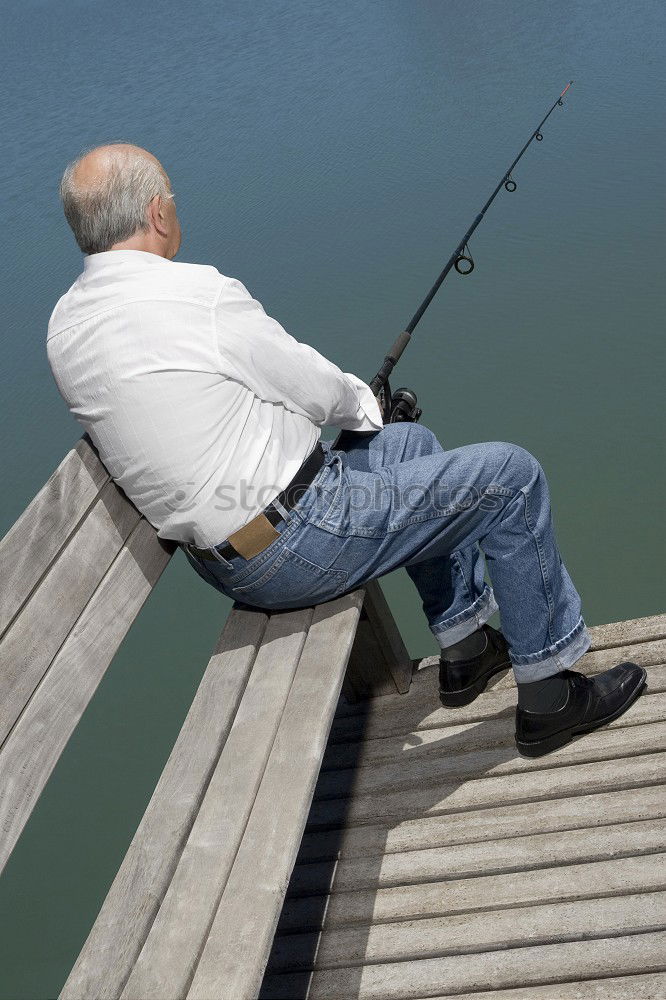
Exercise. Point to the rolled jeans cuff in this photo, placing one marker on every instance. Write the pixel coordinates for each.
(562, 655)
(455, 629)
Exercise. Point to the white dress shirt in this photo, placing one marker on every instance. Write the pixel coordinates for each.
(201, 406)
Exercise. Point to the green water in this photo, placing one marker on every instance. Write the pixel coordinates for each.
(330, 156)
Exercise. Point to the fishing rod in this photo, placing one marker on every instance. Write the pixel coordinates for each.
(401, 405)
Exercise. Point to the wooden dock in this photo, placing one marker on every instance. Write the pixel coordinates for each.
(437, 862)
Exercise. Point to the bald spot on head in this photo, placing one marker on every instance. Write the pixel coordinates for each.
(94, 168)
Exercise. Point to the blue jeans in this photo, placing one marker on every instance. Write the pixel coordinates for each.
(397, 498)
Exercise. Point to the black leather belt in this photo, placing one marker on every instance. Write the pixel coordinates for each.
(288, 498)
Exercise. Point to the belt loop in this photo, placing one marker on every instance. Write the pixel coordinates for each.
(279, 508)
(220, 559)
(214, 553)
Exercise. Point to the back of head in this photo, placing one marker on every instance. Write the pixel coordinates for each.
(106, 192)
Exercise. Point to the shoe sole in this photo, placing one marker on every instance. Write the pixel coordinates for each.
(456, 699)
(542, 747)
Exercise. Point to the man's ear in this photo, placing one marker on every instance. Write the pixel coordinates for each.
(157, 216)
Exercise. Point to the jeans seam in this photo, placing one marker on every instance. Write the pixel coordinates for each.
(542, 565)
(455, 559)
(337, 460)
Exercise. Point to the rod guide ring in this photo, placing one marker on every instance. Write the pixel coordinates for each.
(464, 264)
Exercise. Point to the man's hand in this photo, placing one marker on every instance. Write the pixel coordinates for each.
(383, 399)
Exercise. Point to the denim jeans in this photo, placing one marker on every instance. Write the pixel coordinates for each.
(397, 498)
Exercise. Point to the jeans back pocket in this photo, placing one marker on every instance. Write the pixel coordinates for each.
(291, 581)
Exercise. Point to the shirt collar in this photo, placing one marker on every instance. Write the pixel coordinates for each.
(137, 258)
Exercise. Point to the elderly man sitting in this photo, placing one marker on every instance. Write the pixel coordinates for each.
(208, 415)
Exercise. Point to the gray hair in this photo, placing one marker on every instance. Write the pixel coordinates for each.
(115, 208)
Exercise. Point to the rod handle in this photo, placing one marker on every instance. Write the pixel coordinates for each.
(390, 361)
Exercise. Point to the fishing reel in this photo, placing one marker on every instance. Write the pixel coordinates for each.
(399, 406)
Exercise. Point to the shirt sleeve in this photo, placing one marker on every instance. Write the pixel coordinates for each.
(257, 351)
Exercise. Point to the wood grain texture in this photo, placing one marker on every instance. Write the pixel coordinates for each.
(169, 955)
(388, 634)
(589, 880)
(488, 857)
(482, 735)
(368, 674)
(526, 966)
(644, 653)
(31, 751)
(33, 639)
(449, 762)
(648, 987)
(235, 954)
(490, 792)
(467, 934)
(629, 632)
(129, 909)
(476, 825)
(379, 663)
(34, 541)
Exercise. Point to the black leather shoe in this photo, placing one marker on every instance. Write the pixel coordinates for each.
(461, 681)
(591, 702)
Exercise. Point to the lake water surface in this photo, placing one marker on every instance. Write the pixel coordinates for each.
(331, 156)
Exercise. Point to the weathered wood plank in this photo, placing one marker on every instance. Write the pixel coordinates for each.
(492, 732)
(626, 955)
(596, 660)
(34, 541)
(33, 748)
(476, 825)
(424, 684)
(35, 636)
(235, 954)
(171, 950)
(388, 635)
(420, 709)
(368, 674)
(379, 663)
(456, 896)
(482, 931)
(483, 792)
(649, 987)
(624, 633)
(447, 762)
(414, 744)
(129, 909)
(515, 854)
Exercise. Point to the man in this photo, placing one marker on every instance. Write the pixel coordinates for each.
(208, 415)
